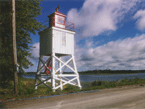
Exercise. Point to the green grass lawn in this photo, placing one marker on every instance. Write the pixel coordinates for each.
(26, 88)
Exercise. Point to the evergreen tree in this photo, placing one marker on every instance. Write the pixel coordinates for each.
(26, 23)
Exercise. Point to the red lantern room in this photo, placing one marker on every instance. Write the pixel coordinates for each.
(57, 19)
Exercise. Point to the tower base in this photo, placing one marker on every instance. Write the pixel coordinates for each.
(56, 77)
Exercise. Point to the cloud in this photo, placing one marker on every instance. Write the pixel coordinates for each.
(35, 51)
(34, 67)
(121, 54)
(34, 61)
(99, 16)
(140, 16)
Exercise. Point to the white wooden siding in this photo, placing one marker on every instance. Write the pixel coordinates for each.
(57, 34)
(46, 42)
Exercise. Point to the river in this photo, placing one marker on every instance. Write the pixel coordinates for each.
(90, 78)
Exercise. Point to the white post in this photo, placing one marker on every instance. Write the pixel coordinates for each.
(75, 68)
(59, 64)
(53, 73)
(39, 65)
(53, 64)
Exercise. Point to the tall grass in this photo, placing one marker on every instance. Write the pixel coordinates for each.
(26, 88)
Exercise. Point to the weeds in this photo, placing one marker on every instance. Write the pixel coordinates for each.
(111, 84)
(26, 87)
(70, 88)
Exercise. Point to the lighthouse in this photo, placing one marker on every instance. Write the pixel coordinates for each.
(57, 45)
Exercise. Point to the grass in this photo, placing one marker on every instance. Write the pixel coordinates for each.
(26, 88)
(111, 84)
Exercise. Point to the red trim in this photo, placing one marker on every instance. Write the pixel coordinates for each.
(68, 25)
(60, 14)
(59, 23)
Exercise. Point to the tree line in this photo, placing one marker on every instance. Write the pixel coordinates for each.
(110, 72)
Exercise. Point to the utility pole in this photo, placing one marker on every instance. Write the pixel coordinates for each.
(14, 48)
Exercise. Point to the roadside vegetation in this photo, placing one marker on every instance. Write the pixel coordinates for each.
(26, 88)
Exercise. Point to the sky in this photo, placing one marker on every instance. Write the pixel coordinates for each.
(110, 34)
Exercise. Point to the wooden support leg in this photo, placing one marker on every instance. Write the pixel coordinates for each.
(39, 65)
(53, 73)
(75, 68)
(59, 64)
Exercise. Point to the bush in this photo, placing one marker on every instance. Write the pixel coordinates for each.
(71, 88)
(98, 83)
(112, 84)
(86, 84)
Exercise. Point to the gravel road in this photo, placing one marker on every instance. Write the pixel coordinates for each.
(122, 97)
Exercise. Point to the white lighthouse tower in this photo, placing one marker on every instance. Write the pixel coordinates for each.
(57, 42)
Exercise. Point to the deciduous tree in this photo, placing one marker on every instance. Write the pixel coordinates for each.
(26, 23)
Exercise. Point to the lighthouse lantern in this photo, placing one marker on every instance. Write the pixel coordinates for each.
(57, 19)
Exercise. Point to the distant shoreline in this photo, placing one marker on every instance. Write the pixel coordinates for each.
(101, 72)
(111, 72)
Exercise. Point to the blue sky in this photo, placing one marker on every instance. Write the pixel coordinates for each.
(110, 34)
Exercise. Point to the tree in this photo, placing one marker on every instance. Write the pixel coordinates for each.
(26, 23)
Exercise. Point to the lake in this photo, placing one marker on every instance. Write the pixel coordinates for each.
(90, 78)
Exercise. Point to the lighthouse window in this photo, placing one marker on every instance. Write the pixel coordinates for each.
(64, 39)
(61, 20)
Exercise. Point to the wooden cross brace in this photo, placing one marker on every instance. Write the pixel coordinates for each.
(42, 82)
(66, 82)
(65, 64)
(44, 65)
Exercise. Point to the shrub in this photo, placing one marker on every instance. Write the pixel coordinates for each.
(98, 83)
(112, 84)
(71, 88)
(86, 84)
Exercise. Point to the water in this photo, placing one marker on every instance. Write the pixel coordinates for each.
(90, 78)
